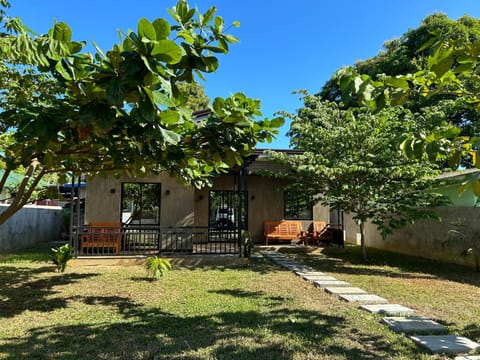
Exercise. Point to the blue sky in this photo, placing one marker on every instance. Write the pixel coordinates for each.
(284, 45)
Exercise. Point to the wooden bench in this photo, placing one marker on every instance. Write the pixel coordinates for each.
(321, 232)
(101, 235)
(317, 232)
(282, 230)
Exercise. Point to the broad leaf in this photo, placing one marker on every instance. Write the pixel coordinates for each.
(146, 30)
(397, 82)
(162, 29)
(170, 137)
(168, 51)
(62, 32)
(169, 117)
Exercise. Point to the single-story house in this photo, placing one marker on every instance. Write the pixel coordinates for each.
(159, 213)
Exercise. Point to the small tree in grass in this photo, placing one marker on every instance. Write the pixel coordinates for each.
(60, 256)
(156, 266)
(353, 162)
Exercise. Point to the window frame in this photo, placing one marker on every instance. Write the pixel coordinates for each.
(302, 207)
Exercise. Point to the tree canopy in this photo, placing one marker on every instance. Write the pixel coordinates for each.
(409, 54)
(122, 110)
(353, 161)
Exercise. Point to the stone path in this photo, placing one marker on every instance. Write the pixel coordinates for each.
(400, 318)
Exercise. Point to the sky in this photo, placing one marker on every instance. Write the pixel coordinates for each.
(285, 45)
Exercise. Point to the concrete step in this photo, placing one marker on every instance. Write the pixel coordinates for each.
(363, 298)
(446, 344)
(414, 325)
(343, 290)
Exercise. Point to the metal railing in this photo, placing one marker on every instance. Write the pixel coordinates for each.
(150, 240)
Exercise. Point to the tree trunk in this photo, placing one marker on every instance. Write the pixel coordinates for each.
(362, 242)
(24, 191)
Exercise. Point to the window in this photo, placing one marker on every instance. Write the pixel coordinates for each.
(228, 209)
(141, 203)
(298, 206)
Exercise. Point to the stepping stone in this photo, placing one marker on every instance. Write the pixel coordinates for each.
(468, 357)
(295, 268)
(290, 264)
(413, 325)
(331, 283)
(318, 278)
(344, 290)
(450, 344)
(271, 254)
(387, 309)
(303, 273)
(364, 298)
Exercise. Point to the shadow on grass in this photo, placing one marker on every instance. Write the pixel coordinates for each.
(239, 293)
(153, 334)
(21, 290)
(348, 260)
(34, 254)
(471, 331)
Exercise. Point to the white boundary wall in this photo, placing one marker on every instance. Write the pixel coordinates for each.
(29, 226)
(424, 238)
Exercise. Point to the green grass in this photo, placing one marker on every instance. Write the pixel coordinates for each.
(445, 292)
(226, 312)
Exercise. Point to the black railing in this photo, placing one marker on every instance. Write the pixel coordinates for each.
(149, 240)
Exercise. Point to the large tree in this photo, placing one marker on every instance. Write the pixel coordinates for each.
(352, 161)
(410, 54)
(121, 110)
(450, 70)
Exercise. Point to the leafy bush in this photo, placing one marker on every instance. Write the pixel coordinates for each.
(247, 244)
(156, 266)
(60, 256)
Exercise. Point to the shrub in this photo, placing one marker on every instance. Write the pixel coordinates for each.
(60, 256)
(156, 266)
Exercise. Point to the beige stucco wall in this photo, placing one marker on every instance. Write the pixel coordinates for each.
(186, 206)
(265, 202)
(424, 238)
(104, 197)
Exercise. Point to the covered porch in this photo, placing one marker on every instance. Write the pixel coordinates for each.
(159, 216)
(121, 240)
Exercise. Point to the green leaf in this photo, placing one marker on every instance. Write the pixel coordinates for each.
(61, 70)
(186, 35)
(170, 137)
(146, 30)
(168, 51)
(397, 82)
(211, 62)
(441, 62)
(162, 28)
(163, 99)
(218, 23)
(231, 39)
(277, 122)
(207, 17)
(62, 32)
(169, 117)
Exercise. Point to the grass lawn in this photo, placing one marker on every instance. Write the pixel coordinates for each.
(238, 312)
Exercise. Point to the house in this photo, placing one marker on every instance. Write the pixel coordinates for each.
(158, 212)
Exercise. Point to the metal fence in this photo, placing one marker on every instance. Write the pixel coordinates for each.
(150, 240)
